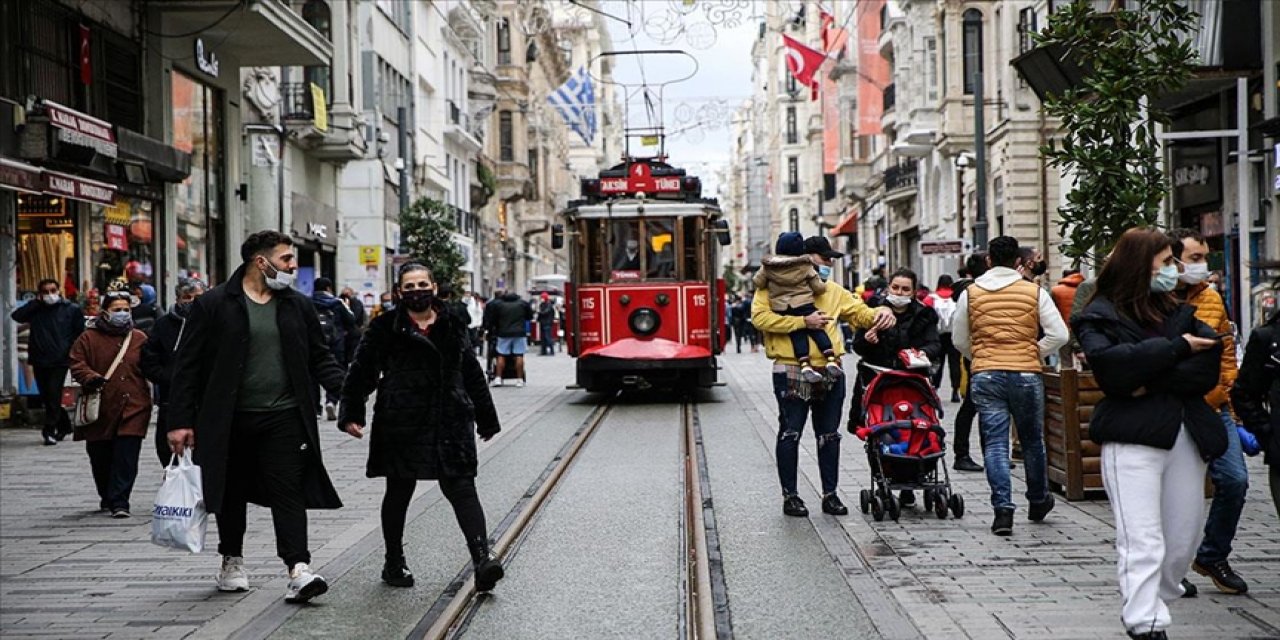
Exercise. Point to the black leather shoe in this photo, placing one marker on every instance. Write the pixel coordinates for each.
(1189, 590)
(396, 573)
(965, 463)
(831, 505)
(794, 506)
(1223, 576)
(488, 570)
(1003, 523)
(1039, 510)
(1150, 635)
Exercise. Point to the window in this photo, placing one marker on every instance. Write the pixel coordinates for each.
(316, 13)
(972, 48)
(793, 175)
(533, 170)
(792, 86)
(504, 41)
(793, 217)
(931, 69)
(506, 138)
(398, 12)
(1026, 29)
(197, 125)
(792, 135)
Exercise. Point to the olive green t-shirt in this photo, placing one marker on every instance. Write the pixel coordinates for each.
(264, 384)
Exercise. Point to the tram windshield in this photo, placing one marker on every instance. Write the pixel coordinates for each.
(638, 250)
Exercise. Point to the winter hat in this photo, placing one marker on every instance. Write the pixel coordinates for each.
(790, 243)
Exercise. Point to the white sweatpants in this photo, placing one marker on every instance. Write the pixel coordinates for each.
(1157, 497)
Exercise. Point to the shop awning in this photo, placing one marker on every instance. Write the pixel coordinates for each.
(20, 176)
(77, 188)
(848, 224)
(260, 32)
(162, 161)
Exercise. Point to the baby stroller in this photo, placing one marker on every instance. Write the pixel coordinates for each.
(905, 445)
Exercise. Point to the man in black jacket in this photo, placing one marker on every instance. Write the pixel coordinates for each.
(974, 267)
(509, 315)
(546, 325)
(160, 352)
(55, 323)
(245, 382)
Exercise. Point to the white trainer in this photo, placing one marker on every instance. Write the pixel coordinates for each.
(232, 576)
(519, 383)
(497, 382)
(304, 585)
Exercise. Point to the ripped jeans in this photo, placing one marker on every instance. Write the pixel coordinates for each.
(827, 411)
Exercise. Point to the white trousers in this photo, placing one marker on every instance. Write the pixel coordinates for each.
(1157, 497)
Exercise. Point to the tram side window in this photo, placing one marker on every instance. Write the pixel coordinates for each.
(662, 249)
(591, 246)
(628, 259)
(693, 244)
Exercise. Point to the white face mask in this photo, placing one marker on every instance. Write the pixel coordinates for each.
(51, 298)
(281, 280)
(897, 300)
(1195, 272)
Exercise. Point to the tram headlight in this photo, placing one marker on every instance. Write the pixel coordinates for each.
(644, 321)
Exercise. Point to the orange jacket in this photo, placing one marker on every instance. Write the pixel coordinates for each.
(1211, 311)
(1064, 293)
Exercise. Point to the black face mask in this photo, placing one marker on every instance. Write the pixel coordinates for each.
(1039, 268)
(418, 299)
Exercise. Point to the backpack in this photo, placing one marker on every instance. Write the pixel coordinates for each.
(329, 325)
(946, 308)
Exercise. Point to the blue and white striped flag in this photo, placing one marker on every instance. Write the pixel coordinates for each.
(576, 102)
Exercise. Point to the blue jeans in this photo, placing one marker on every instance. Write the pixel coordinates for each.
(1230, 484)
(827, 412)
(1001, 396)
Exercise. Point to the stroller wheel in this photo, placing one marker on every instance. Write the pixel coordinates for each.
(877, 509)
(940, 506)
(957, 505)
(864, 500)
(893, 508)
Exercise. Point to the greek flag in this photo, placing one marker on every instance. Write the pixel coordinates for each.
(576, 102)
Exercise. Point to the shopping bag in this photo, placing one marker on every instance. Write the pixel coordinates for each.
(178, 519)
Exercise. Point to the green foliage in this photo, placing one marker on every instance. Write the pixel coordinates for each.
(1110, 146)
(426, 229)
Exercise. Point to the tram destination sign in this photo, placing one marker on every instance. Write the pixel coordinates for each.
(640, 180)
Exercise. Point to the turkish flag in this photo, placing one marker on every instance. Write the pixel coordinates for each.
(86, 62)
(802, 61)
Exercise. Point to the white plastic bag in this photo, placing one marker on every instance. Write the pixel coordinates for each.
(178, 519)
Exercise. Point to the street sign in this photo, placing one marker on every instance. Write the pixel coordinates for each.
(944, 247)
(370, 255)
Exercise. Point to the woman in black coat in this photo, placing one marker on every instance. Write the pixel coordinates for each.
(159, 354)
(1154, 363)
(1256, 394)
(916, 328)
(433, 398)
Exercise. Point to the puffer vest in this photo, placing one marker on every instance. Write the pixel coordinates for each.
(1004, 327)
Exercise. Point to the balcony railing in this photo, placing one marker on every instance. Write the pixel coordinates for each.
(890, 97)
(295, 101)
(902, 176)
(456, 116)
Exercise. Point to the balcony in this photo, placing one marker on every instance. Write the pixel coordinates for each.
(514, 181)
(338, 141)
(900, 182)
(458, 129)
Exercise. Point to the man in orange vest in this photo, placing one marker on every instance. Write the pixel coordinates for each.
(997, 325)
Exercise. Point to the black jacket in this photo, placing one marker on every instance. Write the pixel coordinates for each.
(432, 395)
(1125, 358)
(346, 321)
(53, 328)
(546, 312)
(917, 328)
(161, 350)
(509, 313)
(207, 376)
(1256, 394)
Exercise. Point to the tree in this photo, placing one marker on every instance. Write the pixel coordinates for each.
(1110, 147)
(426, 230)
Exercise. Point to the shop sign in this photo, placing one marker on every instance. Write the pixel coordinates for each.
(943, 247)
(370, 255)
(116, 238)
(206, 63)
(1195, 175)
(76, 188)
(81, 129)
(313, 220)
(20, 176)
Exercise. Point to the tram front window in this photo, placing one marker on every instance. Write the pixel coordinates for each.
(662, 245)
(628, 259)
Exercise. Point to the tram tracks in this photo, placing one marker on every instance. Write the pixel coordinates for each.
(703, 610)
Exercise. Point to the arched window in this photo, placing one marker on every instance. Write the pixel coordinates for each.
(972, 48)
(504, 41)
(316, 13)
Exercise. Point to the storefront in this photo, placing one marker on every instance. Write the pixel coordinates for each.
(314, 228)
(199, 203)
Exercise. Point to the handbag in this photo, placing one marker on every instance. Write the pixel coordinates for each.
(89, 404)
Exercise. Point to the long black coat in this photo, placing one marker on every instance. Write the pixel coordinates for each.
(432, 395)
(1256, 394)
(1125, 357)
(207, 376)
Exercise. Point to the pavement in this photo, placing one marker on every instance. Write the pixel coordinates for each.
(68, 572)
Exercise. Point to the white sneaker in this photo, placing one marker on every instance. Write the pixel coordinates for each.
(232, 576)
(497, 382)
(519, 383)
(330, 411)
(304, 585)
(810, 375)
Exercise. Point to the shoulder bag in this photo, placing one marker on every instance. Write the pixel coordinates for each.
(89, 403)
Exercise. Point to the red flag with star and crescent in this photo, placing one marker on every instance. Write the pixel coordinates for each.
(802, 61)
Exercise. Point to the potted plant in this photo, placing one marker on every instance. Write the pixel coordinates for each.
(1110, 155)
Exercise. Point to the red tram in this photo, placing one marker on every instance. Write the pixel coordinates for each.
(644, 302)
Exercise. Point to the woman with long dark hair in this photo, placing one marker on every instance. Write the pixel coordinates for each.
(1154, 363)
(1256, 394)
(432, 400)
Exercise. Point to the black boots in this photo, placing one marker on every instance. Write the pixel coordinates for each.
(965, 463)
(488, 570)
(793, 506)
(1038, 510)
(831, 505)
(396, 573)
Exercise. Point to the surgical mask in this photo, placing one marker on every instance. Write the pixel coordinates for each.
(1165, 279)
(895, 300)
(280, 280)
(119, 319)
(1194, 272)
(51, 298)
(388, 306)
(418, 299)
(824, 272)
